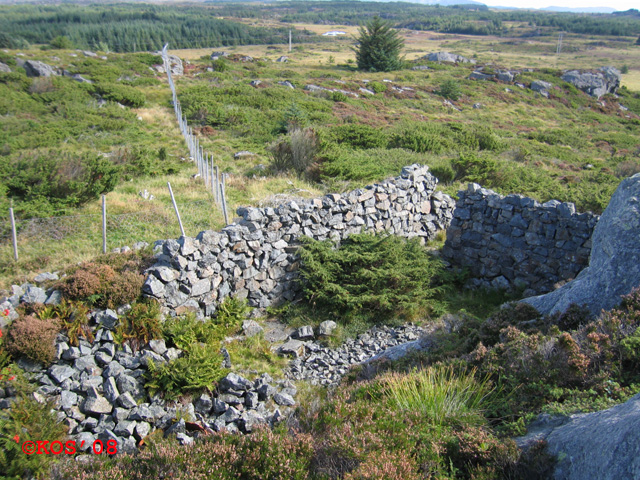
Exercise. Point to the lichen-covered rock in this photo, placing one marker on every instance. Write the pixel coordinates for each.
(39, 69)
(448, 57)
(614, 265)
(595, 83)
(603, 445)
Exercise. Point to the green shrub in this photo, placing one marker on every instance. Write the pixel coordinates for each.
(200, 368)
(371, 278)
(129, 96)
(450, 89)
(28, 420)
(339, 97)
(33, 338)
(356, 135)
(377, 87)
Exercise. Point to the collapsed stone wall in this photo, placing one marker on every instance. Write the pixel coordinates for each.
(256, 257)
(516, 242)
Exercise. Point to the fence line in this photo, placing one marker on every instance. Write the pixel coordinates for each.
(196, 151)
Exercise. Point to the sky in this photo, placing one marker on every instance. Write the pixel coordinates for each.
(617, 4)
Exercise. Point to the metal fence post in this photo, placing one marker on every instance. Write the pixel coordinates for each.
(224, 202)
(14, 235)
(175, 207)
(104, 224)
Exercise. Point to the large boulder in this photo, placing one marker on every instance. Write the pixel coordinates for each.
(39, 69)
(448, 57)
(603, 445)
(595, 83)
(614, 264)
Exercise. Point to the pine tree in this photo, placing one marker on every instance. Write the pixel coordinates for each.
(379, 47)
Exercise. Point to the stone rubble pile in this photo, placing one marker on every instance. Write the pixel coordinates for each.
(256, 258)
(99, 393)
(324, 366)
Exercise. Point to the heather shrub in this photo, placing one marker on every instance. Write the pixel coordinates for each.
(124, 94)
(103, 286)
(264, 454)
(295, 152)
(33, 338)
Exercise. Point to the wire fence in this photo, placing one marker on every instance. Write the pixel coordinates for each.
(57, 241)
(62, 240)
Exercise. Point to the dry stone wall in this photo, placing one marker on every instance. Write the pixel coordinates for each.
(514, 241)
(256, 257)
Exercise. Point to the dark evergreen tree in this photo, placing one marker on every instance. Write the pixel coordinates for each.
(379, 47)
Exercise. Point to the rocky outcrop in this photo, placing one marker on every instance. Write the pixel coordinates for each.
(175, 64)
(39, 69)
(614, 265)
(603, 445)
(448, 57)
(514, 241)
(4, 68)
(595, 82)
(256, 258)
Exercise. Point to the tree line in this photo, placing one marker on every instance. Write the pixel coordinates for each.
(130, 27)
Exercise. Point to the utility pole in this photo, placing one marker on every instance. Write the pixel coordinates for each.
(289, 40)
(559, 49)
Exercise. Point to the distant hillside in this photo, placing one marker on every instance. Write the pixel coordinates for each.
(580, 9)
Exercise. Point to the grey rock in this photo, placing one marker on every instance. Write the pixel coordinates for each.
(97, 405)
(251, 328)
(61, 372)
(294, 348)
(154, 287)
(158, 346)
(150, 356)
(184, 439)
(283, 59)
(125, 428)
(233, 381)
(126, 400)
(39, 69)
(203, 404)
(219, 406)
(614, 265)
(142, 429)
(305, 332)
(68, 399)
(480, 76)
(448, 57)
(106, 319)
(603, 445)
(110, 389)
(595, 83)
(33, 294)
(284, 399)
(178, 427)
(54, 298)
(327, 327)
(45, 277)
(540, 86)
(4, 68)
(84, 441)
(71, 353)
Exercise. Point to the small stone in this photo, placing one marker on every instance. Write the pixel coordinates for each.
(293, 348)
(305, 332)
(158, 346)
(251, 328)
(327, 327)
(97, 405)
(284, 399)
(233, 381)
